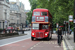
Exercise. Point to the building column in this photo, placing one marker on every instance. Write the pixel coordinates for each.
(3, 24)
(0, 24)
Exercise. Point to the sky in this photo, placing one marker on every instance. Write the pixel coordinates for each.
(25, 2)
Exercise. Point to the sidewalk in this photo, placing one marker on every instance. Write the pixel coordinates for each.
(70, 42)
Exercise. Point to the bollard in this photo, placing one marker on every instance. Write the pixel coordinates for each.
(22, 31)
(5, 32)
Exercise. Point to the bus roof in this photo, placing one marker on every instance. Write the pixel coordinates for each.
(39, 9)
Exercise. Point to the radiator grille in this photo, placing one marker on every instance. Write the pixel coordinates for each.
(39, 34)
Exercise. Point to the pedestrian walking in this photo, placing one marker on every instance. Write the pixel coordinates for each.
(70, 31)
(59, 34)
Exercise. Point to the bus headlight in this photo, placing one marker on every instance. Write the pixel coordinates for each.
(46, 34)
(32, 33)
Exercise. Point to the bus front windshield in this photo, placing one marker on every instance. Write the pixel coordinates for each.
(44, 13)
(35, 26)
(37, 13)
(45, 26)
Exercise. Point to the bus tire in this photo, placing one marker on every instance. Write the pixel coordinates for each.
(32, 38)
(48, 38)
(51, 37)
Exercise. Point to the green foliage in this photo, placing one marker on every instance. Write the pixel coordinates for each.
(33, 6)
(29, 16)
(60, 9)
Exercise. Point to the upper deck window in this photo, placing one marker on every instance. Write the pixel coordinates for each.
(37, 13)
(44, 13)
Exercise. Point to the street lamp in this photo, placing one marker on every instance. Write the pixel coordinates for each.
(17, 21)
(74, 20)
(65, 27)
(20, 20)
(6, 18)
(0, 24)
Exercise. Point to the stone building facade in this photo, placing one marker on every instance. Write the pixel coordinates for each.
(17, 10)
(4, 13)
(12, 14)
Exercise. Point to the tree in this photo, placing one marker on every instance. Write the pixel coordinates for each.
(60, 9)
(29, 16)
(33, 6)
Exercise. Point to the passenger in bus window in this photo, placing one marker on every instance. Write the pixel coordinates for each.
(43, 27)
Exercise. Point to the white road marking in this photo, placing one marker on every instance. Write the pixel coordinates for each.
(13, 42)
(39, 46)
(39, 42)
(34, 46)
(31, 48)
(52, 43)
(55, 42)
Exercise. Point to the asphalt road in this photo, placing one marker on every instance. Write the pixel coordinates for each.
(15, 39)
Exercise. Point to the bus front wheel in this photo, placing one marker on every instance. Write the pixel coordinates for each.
(32, 38)
(48, 38)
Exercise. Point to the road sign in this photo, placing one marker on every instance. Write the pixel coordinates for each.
(5, 22)
(57, 25)
(74, 21)
(70, 18)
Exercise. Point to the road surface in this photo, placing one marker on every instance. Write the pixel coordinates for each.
(25, 43)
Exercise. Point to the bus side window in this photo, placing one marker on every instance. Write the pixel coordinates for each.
(50, 19)
(44, 13)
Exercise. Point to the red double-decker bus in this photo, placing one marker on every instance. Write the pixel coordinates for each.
(41, 24)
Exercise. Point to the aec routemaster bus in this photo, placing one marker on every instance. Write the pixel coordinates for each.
(41, 24)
